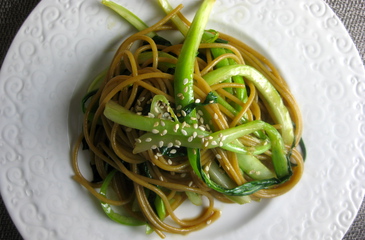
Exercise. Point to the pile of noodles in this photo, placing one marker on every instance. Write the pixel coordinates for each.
(111, 145)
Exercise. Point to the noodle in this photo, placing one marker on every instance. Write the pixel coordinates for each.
(141, 71)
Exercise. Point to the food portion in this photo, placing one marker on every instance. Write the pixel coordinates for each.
(208, 119)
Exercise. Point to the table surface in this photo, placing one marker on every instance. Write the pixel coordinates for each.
(14, 12)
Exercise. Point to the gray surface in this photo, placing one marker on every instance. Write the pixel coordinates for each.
(14, 12)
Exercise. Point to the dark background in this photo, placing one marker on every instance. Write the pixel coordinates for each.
(14, 12)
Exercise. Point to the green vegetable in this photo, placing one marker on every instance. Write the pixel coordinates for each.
(125, 220)
(268, 92)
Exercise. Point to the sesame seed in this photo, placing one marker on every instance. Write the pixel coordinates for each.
(170, 144)
(224, 138)
(139, 113)
(153, 147)
(207, 126)
(197, 100)
(156, 124)
(215, 116)
(164, 132)
(162, 123)
(206, 144)
(173, 151)
(148, 139)
(169, 162)
(210, 137)
(159, 154)
(139, 109)
(195, 134)
(151, 115)
(194, 151)
(178, 107)
(209, 222)
(218, 156)
(183, 113)
(178, 142)
(200, 136)
(193, 118)
(155, 131)
(138, 102)
(206, 168)
(155, 156)
(185, 81)
(220, 135)
(184, 132)
(190, 183)
(160, 144)
(214, 143)
(201, 120)
(138, 140)
(221, 144)
(176, 127)
(211, 101)
(200, 112)
(186, 89)
(161, 178)
(183, 124)
(202, 127)
(190, 139)
(195, 126)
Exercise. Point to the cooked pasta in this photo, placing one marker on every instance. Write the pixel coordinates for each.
(230, 142)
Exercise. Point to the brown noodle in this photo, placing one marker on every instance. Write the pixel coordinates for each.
(109, 143)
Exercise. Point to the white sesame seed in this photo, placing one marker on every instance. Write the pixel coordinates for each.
(214, 143)
(176, 127)
(156, 124)
(197, 100)
(178, 142)
(210, 137)
(220, 135)
(194, 151)
(224, 138)
(183, 113)
(218, 156)
(184, 132)
(162, 123)
(155, 156)
(195, 125)
(215, 116)
(186, 89)
(169, 162)
(183, 124)
(153, 147)
(190, 183)
(195, 134)
(164, 132)
(206, 168)
(155, 131)
(138, 140)
(200, 136)
(138, 113)
(170, 144)
(209, 222)
(161, 178)
(202, 127)
(178, 107)
(193, 118)
(148, 139)
(206, 144)
(173, 151)
(159, 154)
(200, 112)
(190, 139)
(160, 144)
(221, 144)
(138, 102)
(185, 81)
(151, 115)
(201, 120)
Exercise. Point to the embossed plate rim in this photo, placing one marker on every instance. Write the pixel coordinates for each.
(36, 185)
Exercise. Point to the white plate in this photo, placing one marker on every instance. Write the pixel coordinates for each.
(63, 44)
